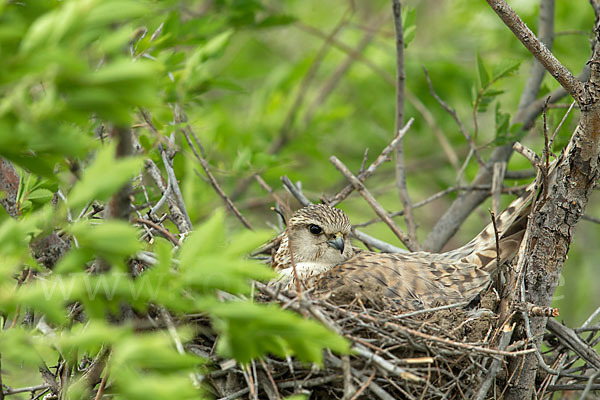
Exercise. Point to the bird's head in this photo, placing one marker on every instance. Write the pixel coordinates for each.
(319, 233)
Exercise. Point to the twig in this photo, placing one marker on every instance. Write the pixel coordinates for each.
(175, 213)
(454, 115)
(270, 377)
(529, 154)
(364, 385)
(379, 210)
(159, 228)
(507, 333)
(10, 391)
(411, 226)
(346, 371)
(373, 387)
(168, 163)
(560, 124)
(570, 83)
(162, 200)
(589, 320)
(574, 342)
(236, 395)
(569, 387)
(380, 244)
(386, 365)
(428, 310)
(588, 386)
(186, 131)
(295, 191)
(590, 218)
(497, 238)
(435, 128)
(345, 192)
(538, 355)
(269, 190)
(363, 163)
(509, 190)
(497, 180)
(408, 331)
(102, 385)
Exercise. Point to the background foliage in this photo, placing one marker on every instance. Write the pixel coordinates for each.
(253, 78)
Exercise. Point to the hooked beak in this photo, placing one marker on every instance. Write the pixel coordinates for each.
(337, 242)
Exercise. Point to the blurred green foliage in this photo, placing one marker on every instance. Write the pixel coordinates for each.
(248, 74)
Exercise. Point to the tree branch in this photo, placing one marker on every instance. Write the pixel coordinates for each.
(569, 82)
(411, 226)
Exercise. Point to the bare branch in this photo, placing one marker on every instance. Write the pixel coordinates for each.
(211, 178)
(345, 192)
(9, 184)
(409, 218)
(569, 82)
(379, 210)
(168, 163)
(454, 115)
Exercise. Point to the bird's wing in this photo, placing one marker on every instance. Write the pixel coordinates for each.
(414, 280)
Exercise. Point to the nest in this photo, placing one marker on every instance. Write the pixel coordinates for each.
(452, 351)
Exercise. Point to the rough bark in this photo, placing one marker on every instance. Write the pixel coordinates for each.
(554, 217)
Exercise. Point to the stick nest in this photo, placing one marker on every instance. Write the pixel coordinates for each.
(454, 351)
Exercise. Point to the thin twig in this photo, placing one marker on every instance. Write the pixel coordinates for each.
(186, 131)
(507, 333)
(295, 191)
(505, 190)
(570, 83)
(10, 391)
(168, 163)
(496, 236)
(364, 385)
(159, 228)
(379, 210)
(269, 190)
(560, 124)
(454, 115)
(383, 156)
(497, 180)
(411, 226)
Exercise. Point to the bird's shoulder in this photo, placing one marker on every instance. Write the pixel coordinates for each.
(418, 279)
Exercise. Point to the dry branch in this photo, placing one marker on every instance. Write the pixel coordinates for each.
(345, 192)
(379, 210)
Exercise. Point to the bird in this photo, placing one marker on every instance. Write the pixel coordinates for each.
(317, 243)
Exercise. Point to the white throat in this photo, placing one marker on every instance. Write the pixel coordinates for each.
(305, 271)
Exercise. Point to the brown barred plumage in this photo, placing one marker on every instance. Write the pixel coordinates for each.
(406, 280)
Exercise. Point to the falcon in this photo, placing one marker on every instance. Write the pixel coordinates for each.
(317, 243)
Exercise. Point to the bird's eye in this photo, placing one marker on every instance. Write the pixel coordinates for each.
(315, 229)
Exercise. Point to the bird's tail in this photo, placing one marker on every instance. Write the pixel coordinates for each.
(510, 228)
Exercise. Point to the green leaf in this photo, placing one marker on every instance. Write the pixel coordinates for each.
(213, 48)
(109, 238)
(40, 195)
(274, 20)
(207, 239)
(484, 75)
(249, 330)
(505, 69)
(409, 27)
(103, 177)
